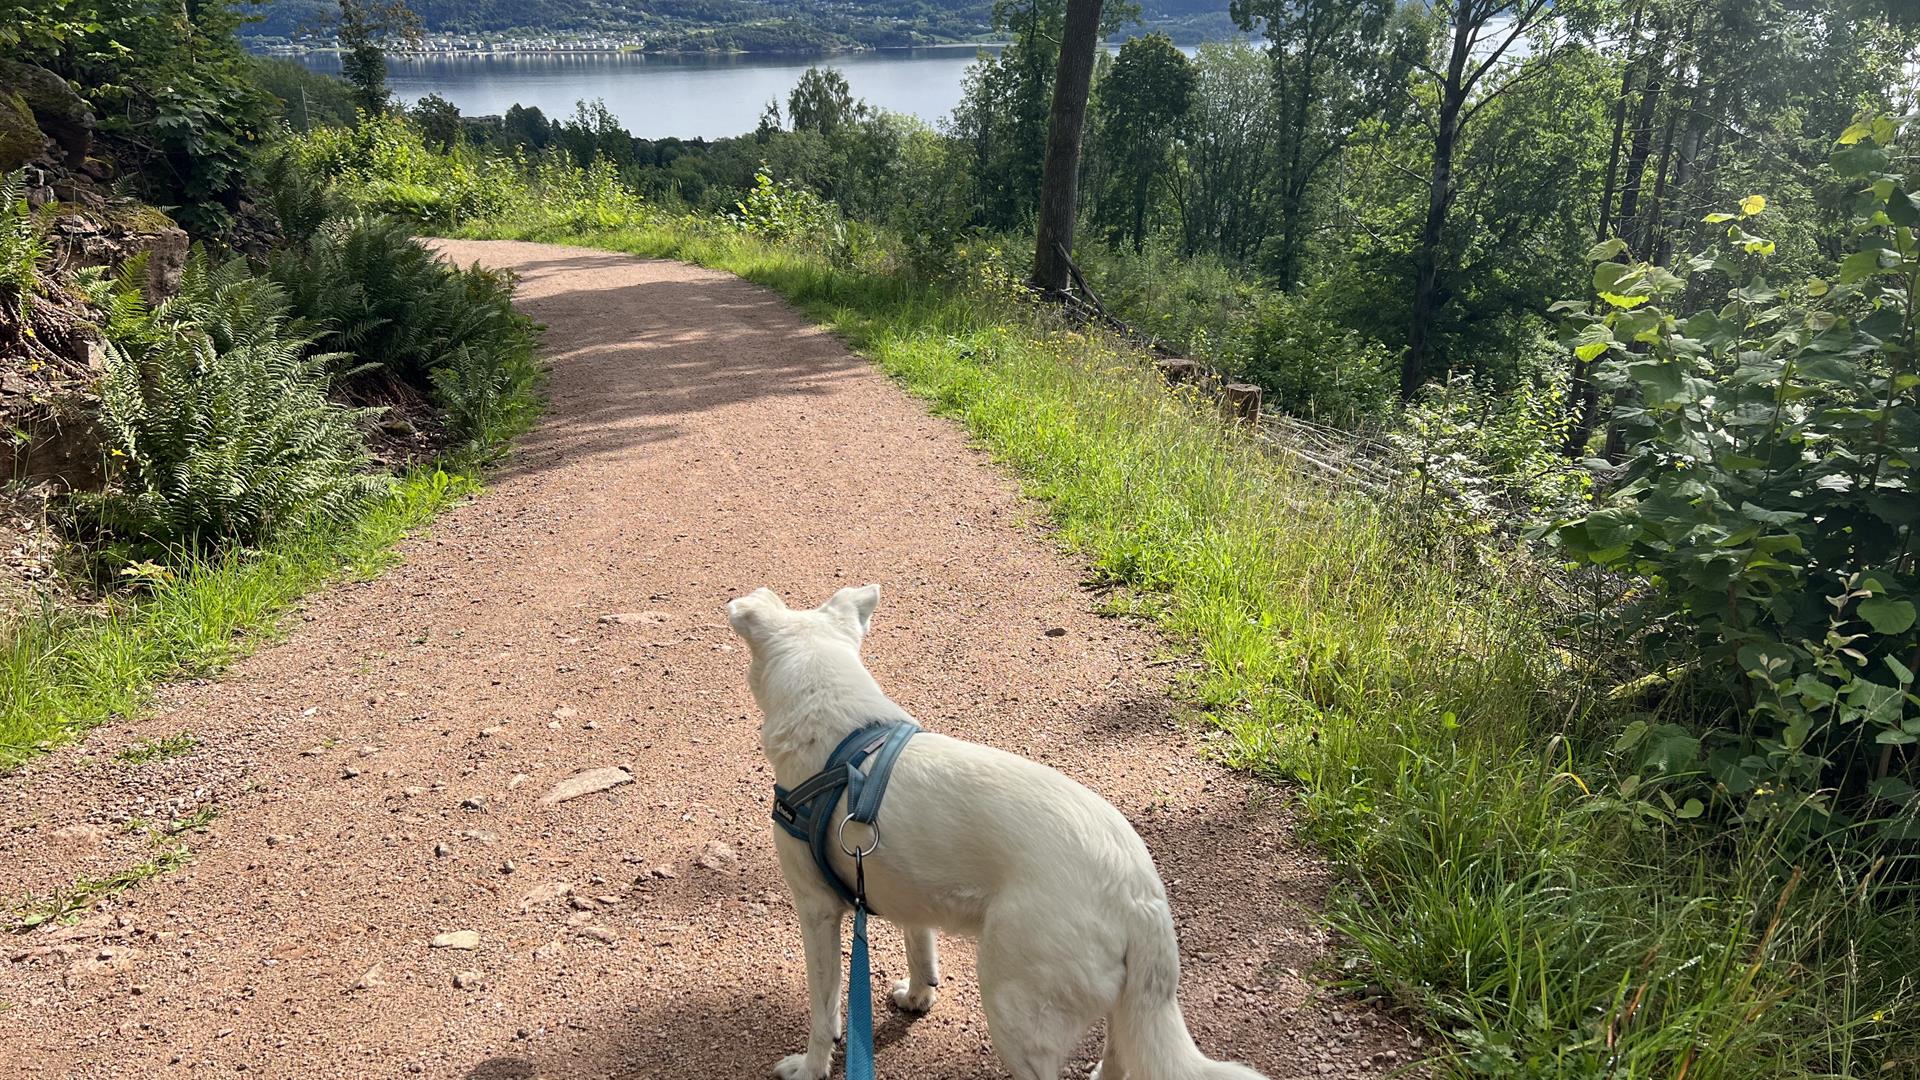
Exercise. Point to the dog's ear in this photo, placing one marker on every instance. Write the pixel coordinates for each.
(748, 614)
(858, 603)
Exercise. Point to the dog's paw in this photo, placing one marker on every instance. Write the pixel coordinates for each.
(795, 1067)
(906, 1000)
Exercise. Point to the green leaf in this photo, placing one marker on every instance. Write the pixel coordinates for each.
(1900, 208)
(1859, 266)
(1606, 250)
(1663, 382)
(1887, 616)
(1715, 219)
(1859, 160)
(1890, 787)
(1623, 302)
(1811, 687)
(1856, 131)
(1692, 808)
(1607, 274)
(1590, 350)
(1631, 736)
(1879, 704)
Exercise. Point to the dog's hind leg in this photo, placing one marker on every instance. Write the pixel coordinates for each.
(916, 993)
(1042, 988)
(820, 932)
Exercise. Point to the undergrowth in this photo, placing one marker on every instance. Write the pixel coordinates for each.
(1502, 878)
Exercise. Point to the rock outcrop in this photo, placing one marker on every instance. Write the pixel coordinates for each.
(37, 107)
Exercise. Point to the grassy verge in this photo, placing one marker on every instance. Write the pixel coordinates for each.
(1543, 916)
(62, 673)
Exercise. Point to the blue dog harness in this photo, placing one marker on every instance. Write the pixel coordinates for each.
(860, 766)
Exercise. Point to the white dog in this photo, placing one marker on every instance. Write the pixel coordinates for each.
(1071, 917)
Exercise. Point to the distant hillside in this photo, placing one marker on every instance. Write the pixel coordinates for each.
(724, 25)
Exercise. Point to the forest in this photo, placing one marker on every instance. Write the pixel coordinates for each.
(1570, 594)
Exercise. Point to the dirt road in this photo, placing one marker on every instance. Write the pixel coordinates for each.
(379, 773)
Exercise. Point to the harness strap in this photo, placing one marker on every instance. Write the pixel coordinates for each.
(861, 766)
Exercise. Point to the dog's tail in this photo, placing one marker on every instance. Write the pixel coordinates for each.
(1147, 1034)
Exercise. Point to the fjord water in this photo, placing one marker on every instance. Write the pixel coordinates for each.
(687, 96)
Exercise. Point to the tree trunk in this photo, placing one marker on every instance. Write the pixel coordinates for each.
(1426, 262)
(1619, 128)
(1140, 189)
(1060, 176)
(1640, 148)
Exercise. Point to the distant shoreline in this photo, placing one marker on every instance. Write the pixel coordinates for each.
(294, 52)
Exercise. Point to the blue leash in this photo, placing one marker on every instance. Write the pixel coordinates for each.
(859, 1002)
(860, 767)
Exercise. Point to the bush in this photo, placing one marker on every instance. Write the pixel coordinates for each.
(399, 312)
(300, 200)
(307, 99)
(1494, 458)
(1310, 365)
(1768, 505)
(217, 423)
(384, 165)
(783, 210)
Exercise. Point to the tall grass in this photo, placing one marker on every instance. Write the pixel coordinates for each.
(1500, 878)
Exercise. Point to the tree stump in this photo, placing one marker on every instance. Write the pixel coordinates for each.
(1240, 401)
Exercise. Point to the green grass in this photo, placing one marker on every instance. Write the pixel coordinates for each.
(62, 672)
(160, 749)
(1452, 762)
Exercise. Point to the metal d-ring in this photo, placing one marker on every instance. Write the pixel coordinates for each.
(859, 853)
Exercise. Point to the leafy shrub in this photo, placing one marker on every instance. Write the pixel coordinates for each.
(576, 197)
(217, 422)
(1772, 453)
(783, 210)
(1493, 455)
(306, 98)
(171, 87)
(397, 311)
(1310, 365)
(384, 165)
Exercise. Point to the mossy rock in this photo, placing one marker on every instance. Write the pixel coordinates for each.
(55, 109)
(136, 217)
(20, 138)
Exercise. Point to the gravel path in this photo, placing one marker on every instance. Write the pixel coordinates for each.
(379, 773)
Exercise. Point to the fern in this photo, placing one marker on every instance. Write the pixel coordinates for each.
(301, 201)
(395, 308)
(23, 247)
(216, 416)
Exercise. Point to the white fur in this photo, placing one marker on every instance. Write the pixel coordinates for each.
(1071, 917)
